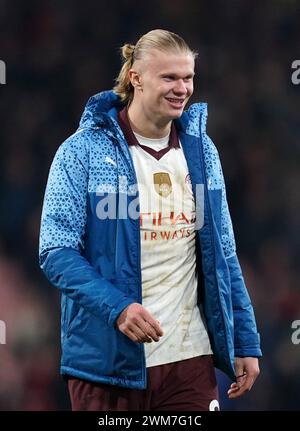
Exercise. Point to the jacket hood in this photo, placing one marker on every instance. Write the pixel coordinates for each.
(99, 108)
(103, 106)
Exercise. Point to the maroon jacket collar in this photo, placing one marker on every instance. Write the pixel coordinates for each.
(131, 139)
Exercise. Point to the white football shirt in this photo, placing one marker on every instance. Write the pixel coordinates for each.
(168, 255)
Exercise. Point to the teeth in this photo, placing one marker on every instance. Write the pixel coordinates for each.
(175, 100)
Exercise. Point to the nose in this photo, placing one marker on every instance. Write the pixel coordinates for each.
(180, 87)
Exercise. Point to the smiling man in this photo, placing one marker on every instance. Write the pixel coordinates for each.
(152, 299)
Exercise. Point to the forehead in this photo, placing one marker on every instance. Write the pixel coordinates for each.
(160, 62)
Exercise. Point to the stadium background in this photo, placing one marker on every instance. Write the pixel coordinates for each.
(60, 53)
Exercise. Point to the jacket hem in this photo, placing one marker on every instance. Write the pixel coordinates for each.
(109, 380)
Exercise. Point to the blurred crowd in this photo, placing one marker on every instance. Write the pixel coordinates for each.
(57, 55)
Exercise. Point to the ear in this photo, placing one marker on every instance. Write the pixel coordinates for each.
(135, 79)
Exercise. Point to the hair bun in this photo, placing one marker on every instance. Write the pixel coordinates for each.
(127, 51)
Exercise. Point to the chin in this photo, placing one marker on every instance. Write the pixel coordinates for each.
(176, 113)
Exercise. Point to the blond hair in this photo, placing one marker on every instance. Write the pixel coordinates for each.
(162, 40)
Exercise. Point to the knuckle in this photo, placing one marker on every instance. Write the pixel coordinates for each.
(134, 319)
(151, 322)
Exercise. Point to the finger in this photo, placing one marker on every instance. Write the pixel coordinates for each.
(141, 337)
(143, 329)
(235, 392)
(134, 326)
(131, 335)
(154, 323)
(156, 327)
(149, 330)
(236, 389)
(233, 388)
(241, 380)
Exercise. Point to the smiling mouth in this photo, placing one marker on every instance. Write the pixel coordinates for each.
(175, 102)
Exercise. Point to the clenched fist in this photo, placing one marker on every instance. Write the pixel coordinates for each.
(138, 324)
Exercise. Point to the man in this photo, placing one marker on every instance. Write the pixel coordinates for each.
(137, 235)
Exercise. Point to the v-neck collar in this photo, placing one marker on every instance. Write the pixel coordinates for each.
(132, 140)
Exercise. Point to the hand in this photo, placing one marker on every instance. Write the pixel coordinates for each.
(246, 370)
(138, 324)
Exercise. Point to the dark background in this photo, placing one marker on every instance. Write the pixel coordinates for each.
(57, 55)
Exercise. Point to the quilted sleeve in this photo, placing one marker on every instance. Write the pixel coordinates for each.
(215, 180)
(62, 231)
(246, 337)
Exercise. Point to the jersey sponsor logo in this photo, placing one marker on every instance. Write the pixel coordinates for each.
(158, 221)
(162, 183)
(166, 235)
(170, 218)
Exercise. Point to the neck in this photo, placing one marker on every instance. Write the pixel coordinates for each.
(144, 126)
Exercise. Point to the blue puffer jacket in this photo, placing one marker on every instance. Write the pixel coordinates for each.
(96, 262)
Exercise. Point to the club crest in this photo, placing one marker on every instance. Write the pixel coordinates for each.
(162, 183)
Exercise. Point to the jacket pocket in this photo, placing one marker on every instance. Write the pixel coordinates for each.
(70, 314)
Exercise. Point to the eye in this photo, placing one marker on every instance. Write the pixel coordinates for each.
(168, 78)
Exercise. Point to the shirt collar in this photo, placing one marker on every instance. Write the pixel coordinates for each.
(130, 137)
